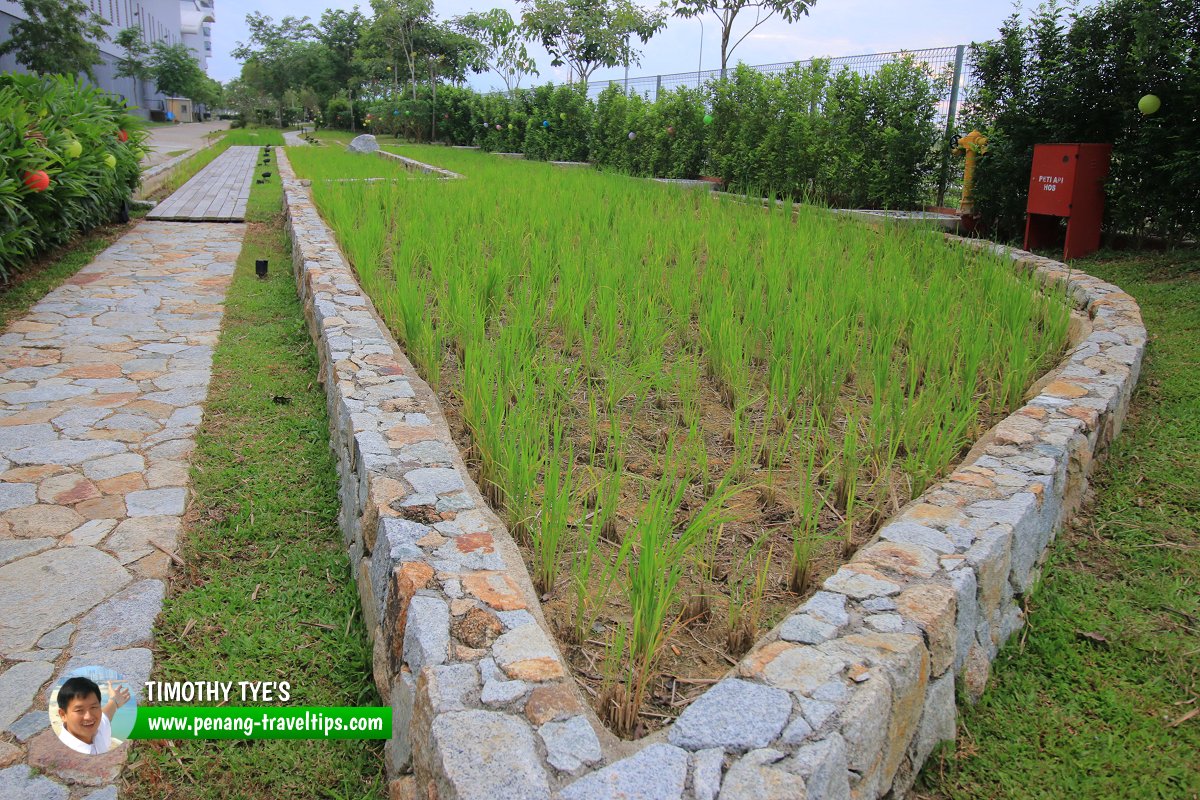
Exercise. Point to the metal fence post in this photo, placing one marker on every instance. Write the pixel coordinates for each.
(657, 87)
(948, 145)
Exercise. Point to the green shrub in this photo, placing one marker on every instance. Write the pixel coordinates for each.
(569, 113)
(842, 138)
(40, 118)
(1077, 76)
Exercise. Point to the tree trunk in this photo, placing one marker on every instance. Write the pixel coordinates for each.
(433, 104)
(725, 31)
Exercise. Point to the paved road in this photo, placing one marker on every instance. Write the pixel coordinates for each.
(185, 136)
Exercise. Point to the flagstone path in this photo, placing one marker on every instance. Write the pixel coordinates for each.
(101, 391)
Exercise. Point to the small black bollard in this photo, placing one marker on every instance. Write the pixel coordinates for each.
(266, 174)
(260, 267)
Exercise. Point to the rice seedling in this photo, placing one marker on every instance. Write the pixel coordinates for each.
(556, 505)
(638, 351)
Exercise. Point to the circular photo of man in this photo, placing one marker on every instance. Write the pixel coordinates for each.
(92, 710)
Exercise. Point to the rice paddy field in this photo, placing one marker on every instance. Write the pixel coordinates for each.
(688, 410)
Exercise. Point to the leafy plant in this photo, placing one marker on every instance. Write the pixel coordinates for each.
(42, 121)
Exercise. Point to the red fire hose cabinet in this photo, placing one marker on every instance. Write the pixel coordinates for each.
(1067, 181)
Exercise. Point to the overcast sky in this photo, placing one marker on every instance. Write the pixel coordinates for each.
(833, 28)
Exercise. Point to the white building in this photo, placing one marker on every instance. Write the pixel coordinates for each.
(170, 21)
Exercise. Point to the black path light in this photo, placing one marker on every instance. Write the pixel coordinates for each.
(260, 267)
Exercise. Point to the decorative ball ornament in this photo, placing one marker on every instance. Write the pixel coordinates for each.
(670, 130)
(510, 126)
(563, 116)
(1149, 104)
(445, 116)
(122, 136)
(408, 113)
(74, 149)
(396, 113)
(708, 119)
(632, 136)
(111, 161)
(499, 127)
(37, 181)
(545, 123)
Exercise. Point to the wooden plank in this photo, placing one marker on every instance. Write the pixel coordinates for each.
(216, 193)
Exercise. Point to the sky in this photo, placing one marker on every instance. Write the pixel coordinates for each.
(833, 28)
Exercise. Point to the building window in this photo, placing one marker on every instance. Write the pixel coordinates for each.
(208, 46)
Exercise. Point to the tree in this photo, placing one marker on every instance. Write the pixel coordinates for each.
(134, 64)
(339, 35)
(589, 34)
(503, 44)
(277, 57)
(176, 73)
(726, 11)
(394, 33)
(55, 38)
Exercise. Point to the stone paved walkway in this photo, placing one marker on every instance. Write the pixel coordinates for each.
(101, 386)
(292, 139)
(217, 193)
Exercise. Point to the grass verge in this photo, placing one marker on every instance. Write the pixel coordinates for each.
(1100, 695)
(266, 593)
(48, 272)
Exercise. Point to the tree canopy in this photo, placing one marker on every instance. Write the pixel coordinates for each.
(588, 34)
(501, 44)
(726, 12)
(59, 37)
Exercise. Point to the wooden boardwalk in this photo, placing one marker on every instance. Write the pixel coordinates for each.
(217, 193)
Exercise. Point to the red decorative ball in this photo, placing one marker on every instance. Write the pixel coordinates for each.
(37, 181)
(670, 130)
(122, 136)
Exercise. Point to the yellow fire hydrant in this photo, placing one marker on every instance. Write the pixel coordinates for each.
(974, 144)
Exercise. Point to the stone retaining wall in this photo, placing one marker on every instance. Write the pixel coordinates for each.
(845, 699)
(420, 166)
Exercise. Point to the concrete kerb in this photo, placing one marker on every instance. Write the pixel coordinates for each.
(846, 698)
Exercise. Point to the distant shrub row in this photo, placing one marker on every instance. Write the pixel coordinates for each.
(77, 143)
(809, 132)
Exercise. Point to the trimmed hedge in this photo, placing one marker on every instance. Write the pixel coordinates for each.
(40, 119)
(808, 133)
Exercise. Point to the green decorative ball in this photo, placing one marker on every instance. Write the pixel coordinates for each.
(563, 115)
(111, 160)
(74, 149)
(708, 119)
(1149, 104)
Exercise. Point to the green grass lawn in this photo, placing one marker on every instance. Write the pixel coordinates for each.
(266, 593)
(1099, 697)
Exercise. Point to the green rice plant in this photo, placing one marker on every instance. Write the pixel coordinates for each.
(593, 573)
(617, 327)
(556, 505)
(747, 586)
(845, 489)
(652, 586)
(806, 533)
